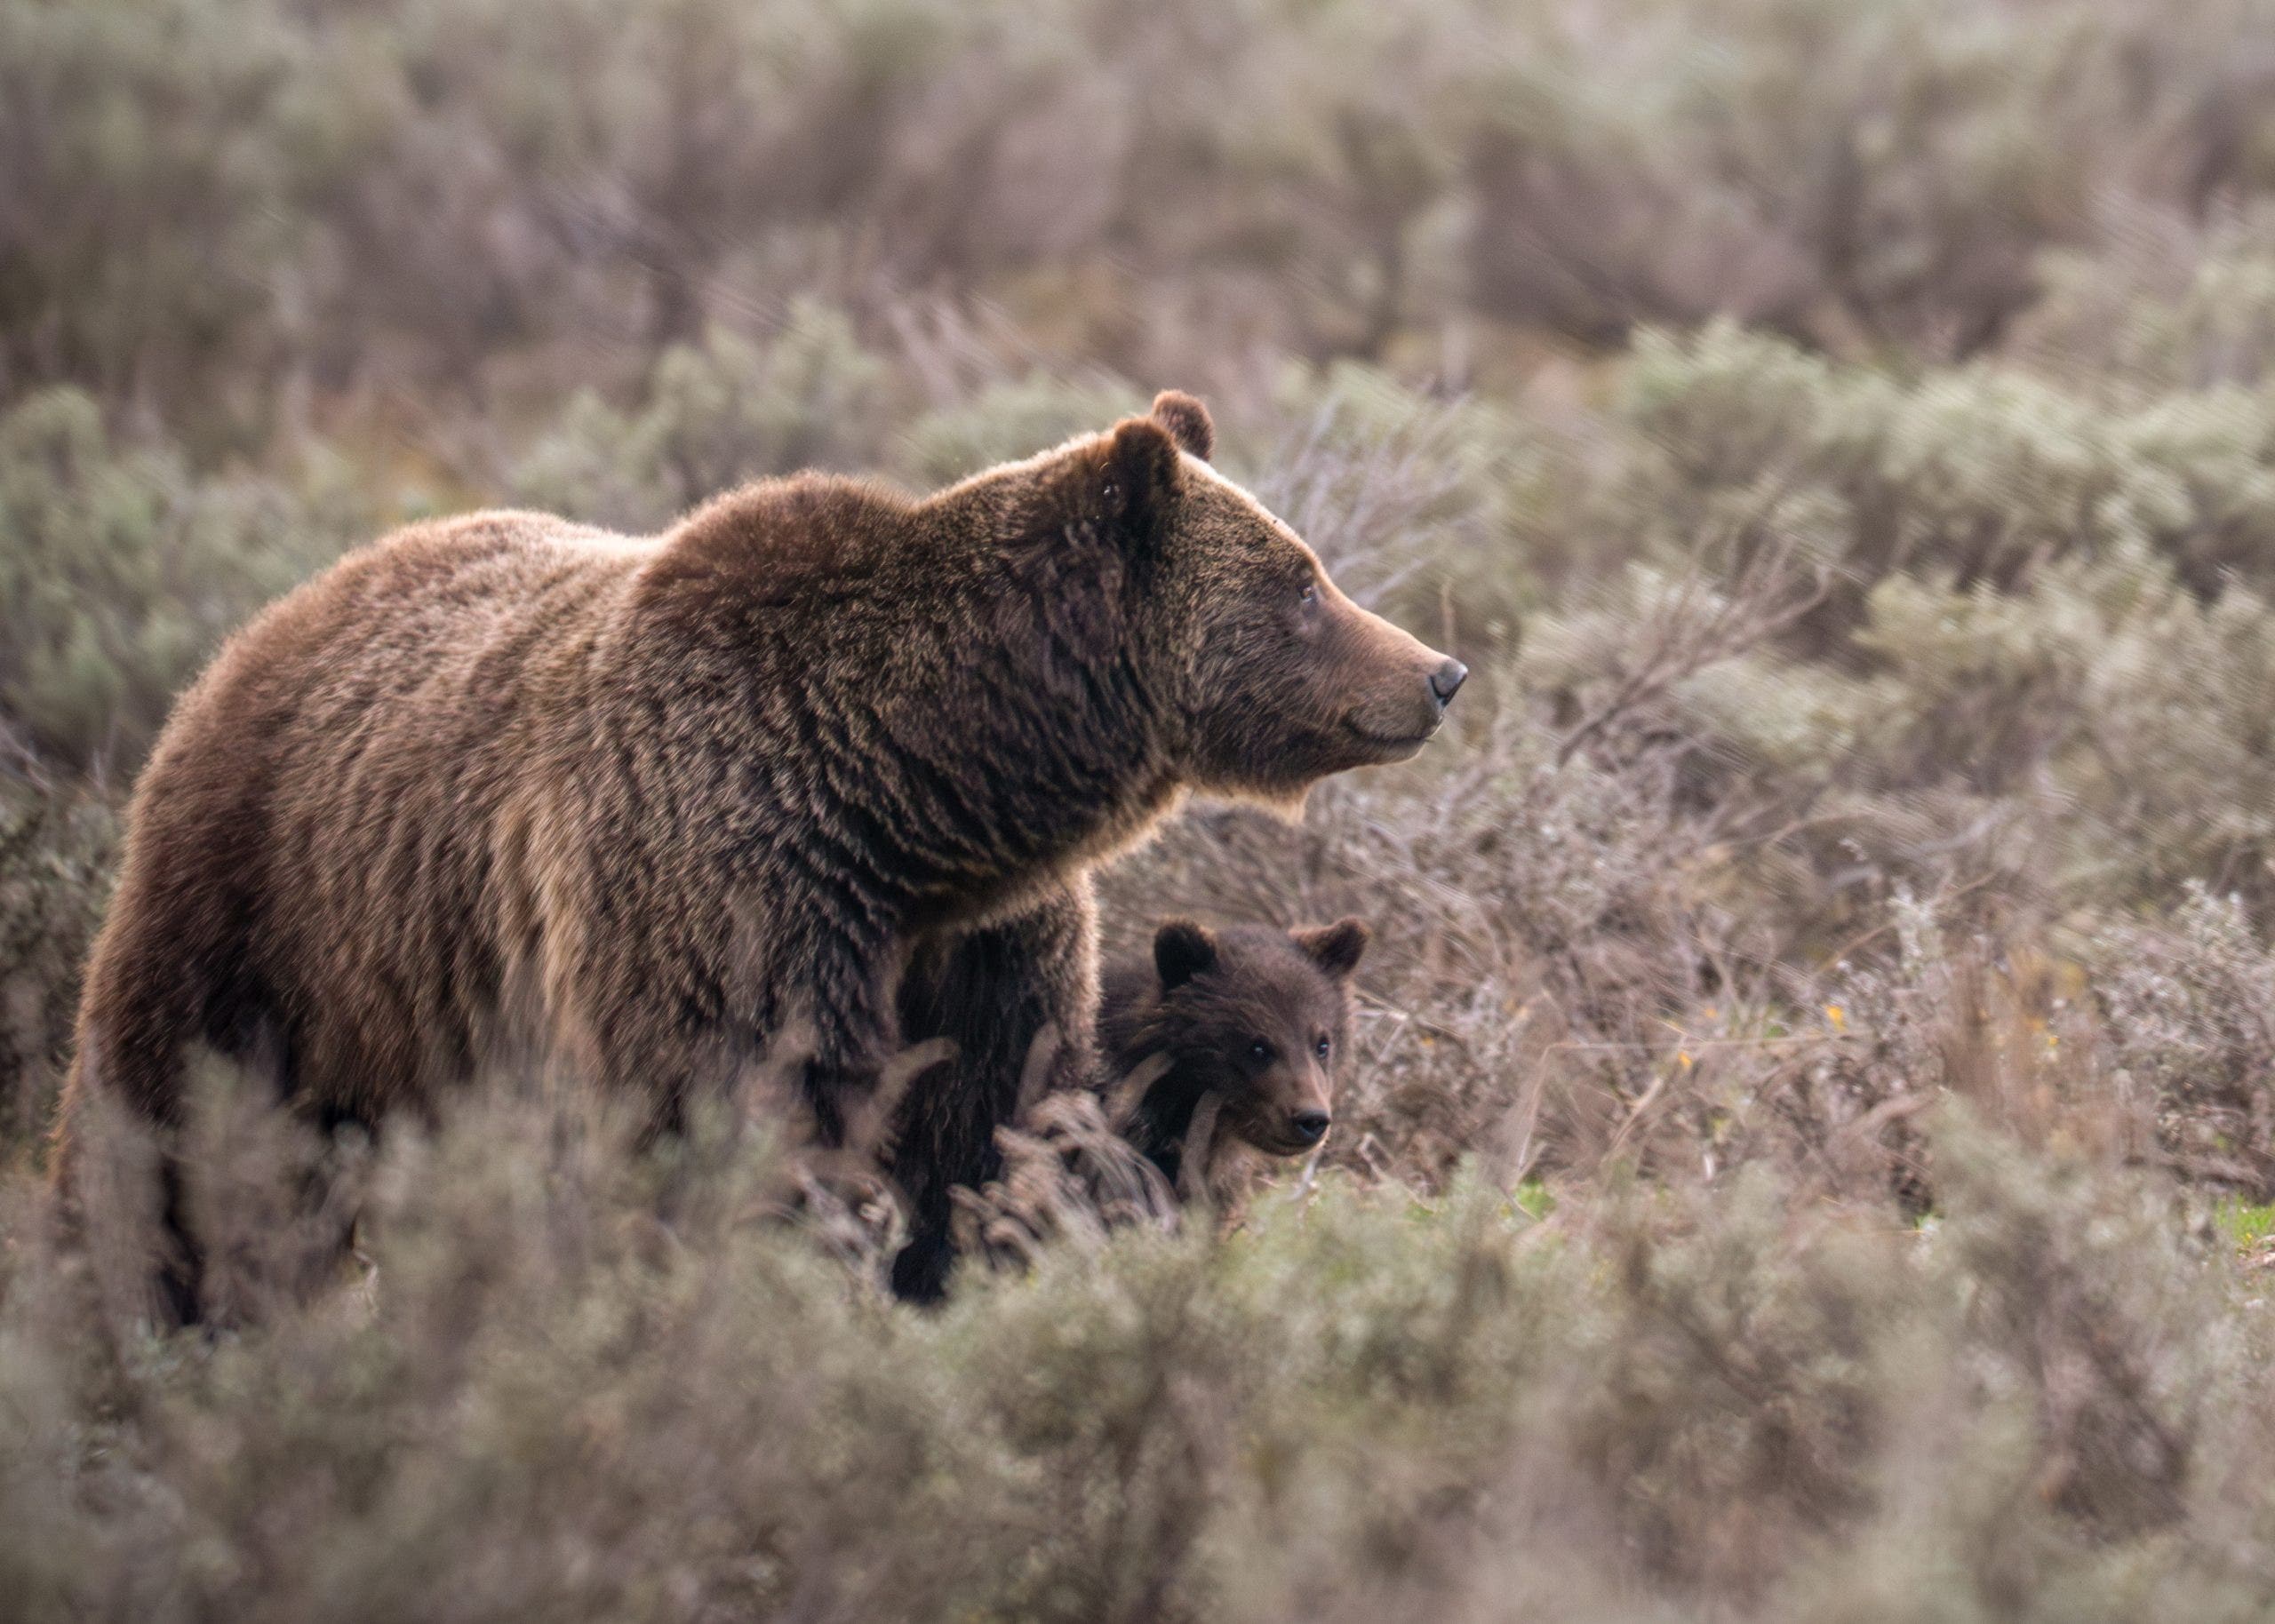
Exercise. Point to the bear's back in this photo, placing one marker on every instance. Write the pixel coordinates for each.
(430, 600)
(403, 682)
(359, 753)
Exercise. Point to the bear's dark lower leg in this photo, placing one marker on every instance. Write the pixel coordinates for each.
(920, 1273)
(997, 993)
(180, 1272)
(852, 1036)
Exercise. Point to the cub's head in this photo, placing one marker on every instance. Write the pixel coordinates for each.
(1268, 677)
(1261, 1018)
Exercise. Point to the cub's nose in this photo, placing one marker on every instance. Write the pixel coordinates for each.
(1309, 1125)
(1446, 682)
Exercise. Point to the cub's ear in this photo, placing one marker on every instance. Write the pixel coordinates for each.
(1183, 950)
(1140, 479)
(1188, 421)
(1335, 948)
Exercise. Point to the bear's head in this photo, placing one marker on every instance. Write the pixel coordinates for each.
(1260, 1018)
(1266, 677)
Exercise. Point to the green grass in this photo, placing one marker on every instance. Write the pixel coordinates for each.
(2248, 1225)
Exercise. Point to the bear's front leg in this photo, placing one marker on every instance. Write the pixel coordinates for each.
(840, 1028)
(994, 991)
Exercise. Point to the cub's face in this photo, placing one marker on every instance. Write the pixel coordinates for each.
(1262, 1018)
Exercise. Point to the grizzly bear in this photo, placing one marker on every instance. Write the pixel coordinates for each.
(1257, 1017)
(822, 763)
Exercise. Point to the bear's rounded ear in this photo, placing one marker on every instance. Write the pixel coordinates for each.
(1335, 948)
(1183, 950)
(1141, 476)
(1188, 421)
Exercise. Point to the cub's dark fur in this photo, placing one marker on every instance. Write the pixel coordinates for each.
(1258, 1018)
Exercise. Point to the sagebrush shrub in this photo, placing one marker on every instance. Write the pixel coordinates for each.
(1009, 420)
(717, 414)
(57, 852)
(532, 1387)
(120, 572)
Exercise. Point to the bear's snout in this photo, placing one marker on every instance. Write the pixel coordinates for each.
(1407, 685)
(1409, 698)
(1309, 1126)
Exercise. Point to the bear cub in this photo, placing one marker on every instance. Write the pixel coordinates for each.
(1259, 1018)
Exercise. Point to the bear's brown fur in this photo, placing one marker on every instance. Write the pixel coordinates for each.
(1257, 1018)
(821, 760)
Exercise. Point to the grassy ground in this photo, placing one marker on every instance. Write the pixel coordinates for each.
(2048, 1399)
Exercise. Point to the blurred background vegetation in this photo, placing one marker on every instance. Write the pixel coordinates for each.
(1811, 1149)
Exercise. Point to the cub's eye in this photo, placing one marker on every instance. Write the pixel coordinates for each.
(1310, 594)
(1259, 1051)
(1321, 1045)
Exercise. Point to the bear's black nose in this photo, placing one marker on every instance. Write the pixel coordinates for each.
(1309, 1125)
(1446, 682)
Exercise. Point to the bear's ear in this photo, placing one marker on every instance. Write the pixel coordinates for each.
(1335, 948)
(1140, 479)
(1183, 950)
(1188, 421)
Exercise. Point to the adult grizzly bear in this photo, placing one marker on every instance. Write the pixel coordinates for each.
(820, 758)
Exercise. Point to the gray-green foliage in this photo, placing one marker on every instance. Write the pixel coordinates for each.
(57, 853)
(1013, 419)
(151, 148)
(120, 572)
(2171, 311)
(1982, 471)
(212, 192)
(716, 415)
(541, 1399)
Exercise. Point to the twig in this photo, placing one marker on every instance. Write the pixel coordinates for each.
(1192, 1172)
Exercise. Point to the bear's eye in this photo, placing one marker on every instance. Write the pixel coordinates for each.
(1310, 593)
(1259, 1051)
(1321, 1045)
